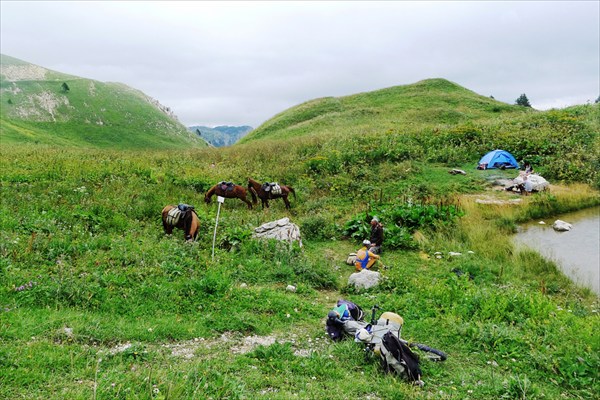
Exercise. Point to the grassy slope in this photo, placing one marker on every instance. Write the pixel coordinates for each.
(90, 114)
(413, 107)
(88, 237)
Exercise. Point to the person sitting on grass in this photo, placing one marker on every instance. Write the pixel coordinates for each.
(364, 257)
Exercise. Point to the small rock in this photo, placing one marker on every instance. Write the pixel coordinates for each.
(290, 288)
(454, 254)
(561, 226)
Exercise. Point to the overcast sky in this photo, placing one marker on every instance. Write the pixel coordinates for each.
(240, 63)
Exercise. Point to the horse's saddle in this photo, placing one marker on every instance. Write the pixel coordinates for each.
(226, 186)
(185, 207)
(173, 216)
(272, 188)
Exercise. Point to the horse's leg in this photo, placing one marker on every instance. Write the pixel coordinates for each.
(168, 228)
(187, 226)
(248, 203)
(286, 201)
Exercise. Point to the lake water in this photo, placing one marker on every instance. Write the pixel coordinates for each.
(576, 252)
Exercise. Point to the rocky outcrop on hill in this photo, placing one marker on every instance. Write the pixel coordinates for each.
(42, 107)
(164, 109)
(29, 72)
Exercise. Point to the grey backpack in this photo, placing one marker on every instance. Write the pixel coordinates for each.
(397, 358)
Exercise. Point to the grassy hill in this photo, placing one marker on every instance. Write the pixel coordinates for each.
(48, 107)
(96, 302)
(428, 103)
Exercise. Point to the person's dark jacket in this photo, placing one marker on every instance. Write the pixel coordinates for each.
(377, 234)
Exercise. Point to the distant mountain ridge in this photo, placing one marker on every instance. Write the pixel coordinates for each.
(220, 136)
(44, 106)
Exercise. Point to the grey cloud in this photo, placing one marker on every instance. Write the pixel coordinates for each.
(240, 63)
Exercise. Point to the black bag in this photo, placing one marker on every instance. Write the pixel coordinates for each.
(396, 357)
(334, 327)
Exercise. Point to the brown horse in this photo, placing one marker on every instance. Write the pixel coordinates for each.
(259, 190)
(229, 191)
(186, 220)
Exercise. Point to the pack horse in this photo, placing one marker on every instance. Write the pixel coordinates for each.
(183, 217)
(229, 190)
(269, 191)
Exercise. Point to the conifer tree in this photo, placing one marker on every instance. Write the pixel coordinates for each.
(523, 101)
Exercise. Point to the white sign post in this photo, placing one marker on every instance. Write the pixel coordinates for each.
(220, 200)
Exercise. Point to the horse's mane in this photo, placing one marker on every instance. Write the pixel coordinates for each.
(253, 182)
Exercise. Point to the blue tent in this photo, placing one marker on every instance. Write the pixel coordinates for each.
(498, 159)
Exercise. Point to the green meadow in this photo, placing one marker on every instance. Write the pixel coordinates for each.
(96, 302)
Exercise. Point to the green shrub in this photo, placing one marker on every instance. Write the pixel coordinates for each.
(401, 220)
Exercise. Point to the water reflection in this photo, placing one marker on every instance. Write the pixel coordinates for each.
(577, 251)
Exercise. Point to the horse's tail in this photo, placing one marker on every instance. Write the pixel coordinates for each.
(194, 225)
(293, 191)
(253, 193)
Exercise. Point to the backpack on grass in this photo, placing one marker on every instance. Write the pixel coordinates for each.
(397, 358)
